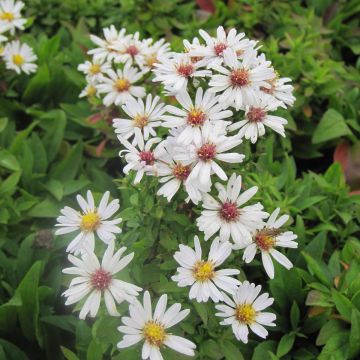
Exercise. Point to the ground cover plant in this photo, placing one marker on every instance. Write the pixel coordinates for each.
(55, 145)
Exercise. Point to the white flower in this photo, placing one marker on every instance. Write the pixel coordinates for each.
(228, 214)
(105, 49)
(94, 69)
(89, 221)
(19, 57)
(267, 239)
(194, 116)
(141, 160)
(94, 280)
(10, 16)
(144, 325)
(119, 87)
(245, 310)
(240, 79)
(90, 89)
(213, 52)
(280, 90)
(203, 155)
(257, 116)
(144, 117)
(173, 173)
(202, 275)
(175, 72)
(156, 53)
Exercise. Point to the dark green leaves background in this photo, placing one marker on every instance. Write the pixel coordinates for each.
(49, 151)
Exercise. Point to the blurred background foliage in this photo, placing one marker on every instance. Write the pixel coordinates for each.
(53, 145)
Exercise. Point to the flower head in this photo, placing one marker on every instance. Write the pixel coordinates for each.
(94, 280)
(201, 275)
(19, 57)
(152, 328)
(244, 311)
(10, 16)
(90, 221)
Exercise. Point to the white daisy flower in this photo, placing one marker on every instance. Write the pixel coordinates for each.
(229, 216)
(89, 221)
(119, 87)
(156, 53)
(94, 69)
(90, 89)
(201, 275)
(173, 174)
(267, 239)
(94, 280)
(19, 57)
(280, 90)
(193, 117)
(144, 117)
(105, 49)
(244, 311)
(240, 79)
(257, 117)
(194, 46)
(152, 328)
(203, 155)
(176, 71)
(10, 16)
(141, 160)
(213, 52)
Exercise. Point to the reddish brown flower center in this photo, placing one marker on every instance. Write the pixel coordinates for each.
(122, 85)
(229, 211)
(256, 114)
(207, 152)
(196, 117)
(100, 279)
(185, 69)
(147, 156)
(132, 50)
(219, 48)
(239, 77)
(141, 120)
(181, 172)
(265, 239)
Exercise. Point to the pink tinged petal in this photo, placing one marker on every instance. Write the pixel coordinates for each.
(110, 304)
(268, 264)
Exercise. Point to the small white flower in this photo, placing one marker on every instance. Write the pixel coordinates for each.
(173, 174)
(193, 117)
(280, 90)
(90, 89)
(204, 154)
(94, 280)
(144, 325)
(213, 52)
(94, 69)
(201, 275)
(176, 71)
(240, 79)
(228, 214)
(89, 221)
(267, 239)
(156, 53)
(19, 57)
(119, 87)
(105, 50)
(244, 311)
(10, 16)
(144, 117)
(141, 160)
(257, 117)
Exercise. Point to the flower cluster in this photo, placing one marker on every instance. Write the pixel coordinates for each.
(17, 56)
(225, 93)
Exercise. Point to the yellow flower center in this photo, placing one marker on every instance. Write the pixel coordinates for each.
(196, 117)
(122, 85)
(154, 333)
(266, 239)
(90, 221)
(91, 91)
(7, 16)
(203, 270)
(1, 49)
(18, 59)
(151, 60)
(94, 69)
(141, 121)
(245, 314)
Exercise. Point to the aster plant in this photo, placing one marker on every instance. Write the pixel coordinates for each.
(185, 119)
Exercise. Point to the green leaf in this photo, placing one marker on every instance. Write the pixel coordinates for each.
(69, 355)
(354, 344)
(342, 303)
(336, 347)
(294, 315)
(285, 345)
(317, 268)
(9, 161)
(201, 309)
(330, 328)
(261, 351)
(231, 351)
(55, 188)
(48, 208)
(332, 125)
(3, 123)
(12, 351)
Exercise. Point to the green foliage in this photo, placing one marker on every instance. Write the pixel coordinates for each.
(49, 151)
